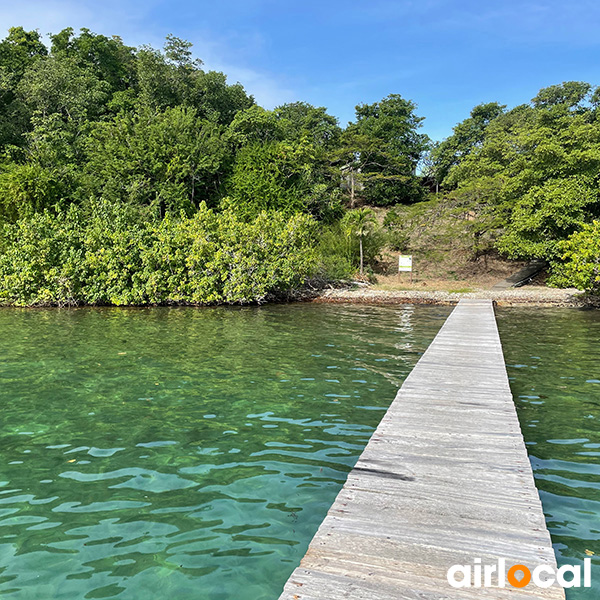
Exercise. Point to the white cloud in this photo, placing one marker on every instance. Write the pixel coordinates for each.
(266, 90)
(219, 54)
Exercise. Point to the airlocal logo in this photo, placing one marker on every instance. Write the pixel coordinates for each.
(478, 575)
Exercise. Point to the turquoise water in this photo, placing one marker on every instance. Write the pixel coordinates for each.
(184, 453)
(553, 362)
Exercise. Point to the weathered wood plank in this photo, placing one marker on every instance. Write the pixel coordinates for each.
(444, 479)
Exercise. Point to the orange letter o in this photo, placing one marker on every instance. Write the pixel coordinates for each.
(516, 582)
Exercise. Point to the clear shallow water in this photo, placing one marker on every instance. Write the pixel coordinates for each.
(553, 362)
(184, 453)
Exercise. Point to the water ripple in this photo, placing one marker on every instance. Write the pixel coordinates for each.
(184, 453)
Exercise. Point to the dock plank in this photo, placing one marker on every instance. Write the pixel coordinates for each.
(444, 479)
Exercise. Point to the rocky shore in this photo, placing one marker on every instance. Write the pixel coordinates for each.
(524, 296)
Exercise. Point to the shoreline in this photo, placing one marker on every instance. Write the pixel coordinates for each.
(532, 296)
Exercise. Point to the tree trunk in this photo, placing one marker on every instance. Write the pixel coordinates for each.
(361, 254)
(351, 188)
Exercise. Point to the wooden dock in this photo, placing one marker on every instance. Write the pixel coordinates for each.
(444, 480)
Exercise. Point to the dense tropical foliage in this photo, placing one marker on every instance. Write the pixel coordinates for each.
(529, 175)
(135, 176)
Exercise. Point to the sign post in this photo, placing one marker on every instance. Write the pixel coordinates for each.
(405, 264)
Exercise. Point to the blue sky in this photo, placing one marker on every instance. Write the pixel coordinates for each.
(446, 56)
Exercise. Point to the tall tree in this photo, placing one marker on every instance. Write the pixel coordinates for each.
(380, 151)
(466, 137)
(173, 78)
(301, 119)
(107, 57)
(58, 85)
(534, 176)
(256, 124)
(20, 49)
(168, 161)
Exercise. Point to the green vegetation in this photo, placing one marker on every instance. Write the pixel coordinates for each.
(359, 222)
(111, 257)
(134, 176)
(381, 150)
(529, 176)
(581, 259)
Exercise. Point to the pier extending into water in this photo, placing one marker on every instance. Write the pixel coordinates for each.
(444, 480)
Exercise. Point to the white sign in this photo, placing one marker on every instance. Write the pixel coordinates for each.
(405, 262)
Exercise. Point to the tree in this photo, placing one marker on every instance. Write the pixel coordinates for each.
(14, 114)
(570, 94)
(579, 264)
(548, 214)
(20, 49)
(168, 161)
(62, 99)
(533, 176)
(217, 100)
(60, 86)
(380, 151)
(393, 120)
(272, 176)
(173, 78)
(301, 119)
(466, 137)
(359, 222)
(256, 125)
(179, 53)
(108, 58)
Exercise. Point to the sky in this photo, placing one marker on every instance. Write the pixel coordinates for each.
(446, 56)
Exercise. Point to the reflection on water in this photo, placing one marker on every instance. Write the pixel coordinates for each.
(184, 453)
(553, 361)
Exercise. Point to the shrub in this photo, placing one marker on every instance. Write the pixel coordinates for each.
(110, 257)
(581, 260)
(335, 254)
